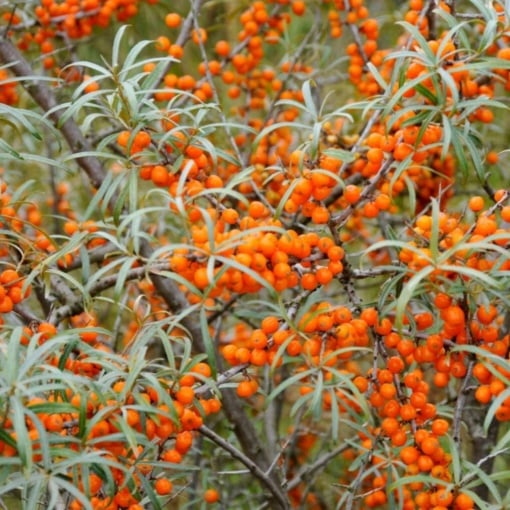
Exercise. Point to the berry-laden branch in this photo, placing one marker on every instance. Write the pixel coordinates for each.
(247, 259)
(167, 288)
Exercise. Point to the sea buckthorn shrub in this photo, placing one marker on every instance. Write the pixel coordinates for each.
(254, 254)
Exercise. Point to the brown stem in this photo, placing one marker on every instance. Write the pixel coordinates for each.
(254, 467)
(309, 470)
(45, 98)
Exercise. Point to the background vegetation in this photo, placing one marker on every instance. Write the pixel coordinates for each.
(254, 254)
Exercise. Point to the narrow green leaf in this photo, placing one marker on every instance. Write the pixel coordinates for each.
(408, 292)
(289, 382)
(309, 101)
(208, 342)
(116, 46)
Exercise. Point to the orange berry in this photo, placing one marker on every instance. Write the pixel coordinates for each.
(375, 155)
(160, 175)
(222, 48)
(482, 373)
(352, 194)
(464, 502)
(442, 300)
(242, 355)
(176, 51)
(173, 20)
(476, 203)
(199, 35)
(496, 386)
(162, 43)
(492, 157)
(320, 215)
(454, 315)
(211, 496)
(425, 463)
(201, 278)
(163, 486)
(294, 348)
(407, 412)
(390, 426)
(361, 383)
(54, 423)
(298, 7)
(257, 210)
(8, 276)
(323, 275)
(429, 445)
(258, 339)
(183, 441)
(230, 216)
(402, 151)
(458, 369)
(282, 270)
(409, 455)
(309, 281)
(485, 226)
(247, 388)
(202, 368)
(6, 305)
(440, 427)
(484, 115)
(46, 329)
(370, 316)
(213, 181)
(395, 364)
(270, 324)
(486, 314)
(483, 394)
(399, 438)
(370, 210)
(505, 213)
(383, 202)
(185, 395)
(388, 390)
(443, 498)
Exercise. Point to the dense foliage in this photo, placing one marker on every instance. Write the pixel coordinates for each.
(254, 254)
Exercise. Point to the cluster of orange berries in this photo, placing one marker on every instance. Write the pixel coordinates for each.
(424, 456)
(166, 417)
(504, 54)
(458, 327)
(74, 18)
(430, 171)
(27, 217)
(192, 176)
(327, 337)
(252, 249)
(237, 67)
(8, 93)
(486, 330)
(491, 378)
(324, 337)
(408, 419)
(78, 18)
(458, 237)
(8, 212)
(277, 259)
(12, 290)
